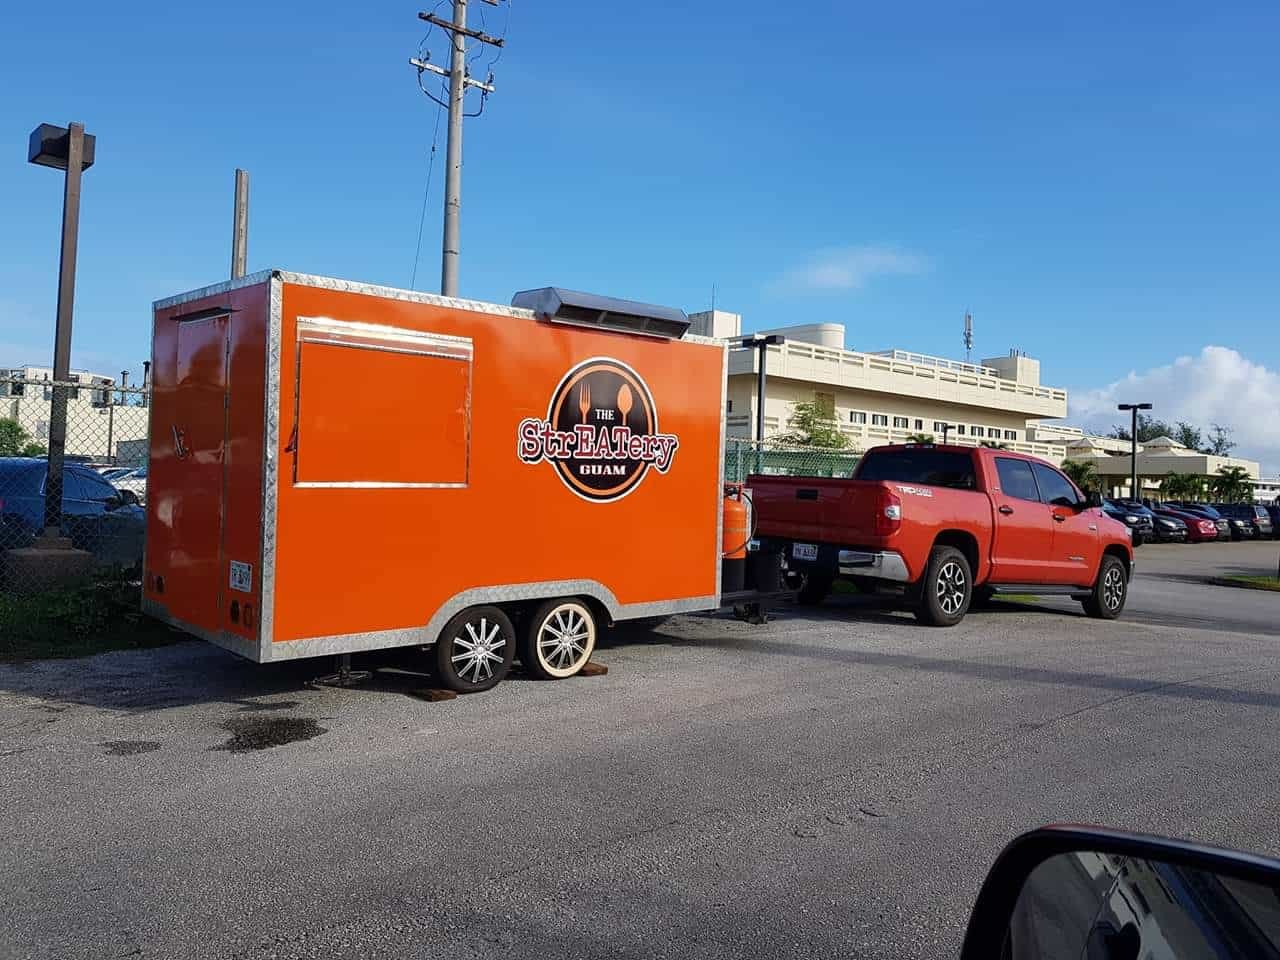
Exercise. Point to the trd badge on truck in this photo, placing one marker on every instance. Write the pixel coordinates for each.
(600, 432)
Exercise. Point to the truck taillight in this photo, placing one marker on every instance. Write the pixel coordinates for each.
(888, 513)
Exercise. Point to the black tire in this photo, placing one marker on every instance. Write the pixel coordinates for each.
(946, 590)
(475, 650)
(815, 589)
(558, 638)
(1110, 590)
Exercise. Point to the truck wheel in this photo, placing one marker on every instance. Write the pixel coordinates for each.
(815, 588)
(475, 650)
(946, 590)
(1110, 590)
(558, 639)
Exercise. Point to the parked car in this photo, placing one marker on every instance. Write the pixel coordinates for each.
(1168, 528)
(111, 473)
(95, 516)
(1204, 510)
(1200, 529)
(1242, 519)
(1262, 520)
(134, 481)
(1139, 524)
(939, 525)
(1273, 511)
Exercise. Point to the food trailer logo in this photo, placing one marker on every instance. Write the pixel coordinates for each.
(600, 432)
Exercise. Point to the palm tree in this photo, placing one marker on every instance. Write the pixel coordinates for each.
(1182, 486)
(920, 438)
(1082, 473)
(1232, 485)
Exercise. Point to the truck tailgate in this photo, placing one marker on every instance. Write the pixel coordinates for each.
(826, 509)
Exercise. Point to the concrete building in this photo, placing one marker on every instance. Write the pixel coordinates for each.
(886, 396)
(1156, 460)
(96, 421)
(1266, 490)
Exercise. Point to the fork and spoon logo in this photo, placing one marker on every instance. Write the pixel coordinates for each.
(601, 431)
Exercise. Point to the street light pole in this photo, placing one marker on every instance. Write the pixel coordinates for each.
(761, 344)
(1133, 446)
(72, 150)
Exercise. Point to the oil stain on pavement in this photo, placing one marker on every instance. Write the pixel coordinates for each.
(259, 733)
(129, 748)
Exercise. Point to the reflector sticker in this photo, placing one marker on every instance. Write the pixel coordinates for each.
(242, 576)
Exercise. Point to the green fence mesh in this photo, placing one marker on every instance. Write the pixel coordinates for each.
(745, 457)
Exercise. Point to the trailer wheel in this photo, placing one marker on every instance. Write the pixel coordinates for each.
(475, 650)
(558, 639)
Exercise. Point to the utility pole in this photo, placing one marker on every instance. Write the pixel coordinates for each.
(458, 84)
(240, 225)
(453, 154)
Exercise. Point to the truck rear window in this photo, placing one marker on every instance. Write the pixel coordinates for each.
(936, 468)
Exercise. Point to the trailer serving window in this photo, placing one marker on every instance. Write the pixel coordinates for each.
(353, 380)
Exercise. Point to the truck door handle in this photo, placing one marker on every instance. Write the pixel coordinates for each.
(1059, 518)
(1006, 509)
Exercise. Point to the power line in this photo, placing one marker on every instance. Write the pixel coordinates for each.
(426, 190)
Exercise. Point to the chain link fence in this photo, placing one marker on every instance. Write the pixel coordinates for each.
(745, 457)
(102, 512)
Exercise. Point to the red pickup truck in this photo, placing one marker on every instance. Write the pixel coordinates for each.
(943, 525)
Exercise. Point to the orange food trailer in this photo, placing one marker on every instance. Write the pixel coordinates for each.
(340, 467)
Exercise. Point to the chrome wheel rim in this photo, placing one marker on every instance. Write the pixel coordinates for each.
(479, 649)
(1113, 588)
(950, 587)
(566, 637)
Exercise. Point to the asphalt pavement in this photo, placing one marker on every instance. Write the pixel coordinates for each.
(833, 783)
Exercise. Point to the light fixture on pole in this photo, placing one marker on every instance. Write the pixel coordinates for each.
(761, 344)
(69, 149)
(1133, 445)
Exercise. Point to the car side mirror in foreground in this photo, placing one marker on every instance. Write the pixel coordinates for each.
(1088, 892)
(1093, 499)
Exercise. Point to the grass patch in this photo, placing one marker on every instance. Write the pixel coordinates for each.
(1252, 583)
(78, 621)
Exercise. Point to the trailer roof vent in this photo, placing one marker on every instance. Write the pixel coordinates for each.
(606, 313)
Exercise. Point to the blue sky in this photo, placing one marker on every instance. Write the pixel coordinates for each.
(1096, 183)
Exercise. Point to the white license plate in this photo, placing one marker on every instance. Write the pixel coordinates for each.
(804, 551)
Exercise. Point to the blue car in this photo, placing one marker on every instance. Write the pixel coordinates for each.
(95, 515)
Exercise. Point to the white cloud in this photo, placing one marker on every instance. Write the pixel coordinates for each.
(1216, 386)
(851, 268)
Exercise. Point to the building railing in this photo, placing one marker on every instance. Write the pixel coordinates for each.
(894, 362)
(865, 436)
(925, 360)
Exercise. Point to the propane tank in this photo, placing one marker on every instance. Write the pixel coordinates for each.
(733, 546)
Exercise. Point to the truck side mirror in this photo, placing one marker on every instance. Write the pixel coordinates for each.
(1092, 498)
(1084, 891)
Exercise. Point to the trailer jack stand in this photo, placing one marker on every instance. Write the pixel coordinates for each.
(344, 676)
(753, 613)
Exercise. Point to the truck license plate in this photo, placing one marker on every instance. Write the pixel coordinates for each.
(804, 551)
